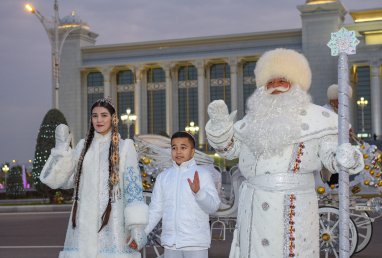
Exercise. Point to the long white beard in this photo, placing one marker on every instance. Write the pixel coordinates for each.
(273, 121)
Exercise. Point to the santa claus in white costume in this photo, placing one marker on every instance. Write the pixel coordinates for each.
(280, 143)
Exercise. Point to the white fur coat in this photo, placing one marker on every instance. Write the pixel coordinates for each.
(128, 211)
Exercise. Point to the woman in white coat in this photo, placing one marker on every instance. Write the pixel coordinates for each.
(108, 214)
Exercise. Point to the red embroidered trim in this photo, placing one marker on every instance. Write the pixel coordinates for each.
(296, 166)
(292, 206)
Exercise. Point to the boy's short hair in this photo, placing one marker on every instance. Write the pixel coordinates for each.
(182, 134)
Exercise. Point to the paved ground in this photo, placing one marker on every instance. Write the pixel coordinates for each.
(42, 234)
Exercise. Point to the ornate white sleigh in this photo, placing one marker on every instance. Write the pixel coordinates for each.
(365, 204)
(154, 153)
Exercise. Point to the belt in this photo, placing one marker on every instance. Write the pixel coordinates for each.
(282, 182)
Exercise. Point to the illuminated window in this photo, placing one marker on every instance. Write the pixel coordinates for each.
(95, 89)
(187, 96)
(363, 90)
(125, 99)
(249, 83)
(156, 101)
(220, 83)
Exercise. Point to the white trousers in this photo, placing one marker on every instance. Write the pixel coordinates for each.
(168, 253)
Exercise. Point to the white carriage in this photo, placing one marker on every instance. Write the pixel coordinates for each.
(365, 204)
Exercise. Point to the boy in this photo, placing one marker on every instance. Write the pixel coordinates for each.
(183, 204)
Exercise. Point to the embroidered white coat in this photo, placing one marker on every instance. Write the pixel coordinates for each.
(278, 209)
(84, 241)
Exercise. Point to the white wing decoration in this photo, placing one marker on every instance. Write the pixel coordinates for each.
(154, 152)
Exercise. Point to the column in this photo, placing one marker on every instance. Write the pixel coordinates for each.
(353, 98)
(199, 64)
(240, 94)
(376, 96)
(106, 72)
(138, 72)
(318, 21)
(233, 62)
(169, 101)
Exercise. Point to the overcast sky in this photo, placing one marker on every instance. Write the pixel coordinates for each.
(25, 73)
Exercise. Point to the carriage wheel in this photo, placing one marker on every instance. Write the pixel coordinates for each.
(329, 232)
(153, 239)
(364, 227)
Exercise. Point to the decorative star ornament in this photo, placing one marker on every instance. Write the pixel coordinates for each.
(343, 41)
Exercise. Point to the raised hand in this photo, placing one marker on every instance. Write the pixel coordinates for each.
(218, 111)
(194, 185)
(62, 137)
(220, 119)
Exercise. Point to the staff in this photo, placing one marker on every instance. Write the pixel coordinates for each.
(343, 43)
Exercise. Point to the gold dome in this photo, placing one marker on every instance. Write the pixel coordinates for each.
(320, 1)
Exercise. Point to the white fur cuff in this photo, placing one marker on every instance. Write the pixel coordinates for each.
(136, 213)
(60, 152)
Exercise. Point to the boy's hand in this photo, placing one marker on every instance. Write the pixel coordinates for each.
(194, 185)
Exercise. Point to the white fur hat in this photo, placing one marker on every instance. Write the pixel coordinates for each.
(283, 63)
(332, 92)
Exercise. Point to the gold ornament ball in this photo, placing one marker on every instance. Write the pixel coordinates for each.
(320, 190)
(356, 189)
(332, 186)
(378, 175)
(365, 156)
(325, 237)
(366, 182)
(146, 161)
(371, 172)
(367, 167)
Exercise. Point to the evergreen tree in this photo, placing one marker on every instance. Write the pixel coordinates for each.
(15, 187)
(45, 142)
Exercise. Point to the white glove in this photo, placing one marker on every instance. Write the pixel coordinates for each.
(137, 235)
(350, 158)
(219, 116)
(62, 137)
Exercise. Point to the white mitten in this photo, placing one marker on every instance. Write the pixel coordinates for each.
(219, 116)
(138, 235)
(62, 137)
(350, 158)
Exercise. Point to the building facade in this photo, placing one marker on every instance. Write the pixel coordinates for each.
(169, 83)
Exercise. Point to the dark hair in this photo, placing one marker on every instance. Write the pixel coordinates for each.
(106, 103)
(113, 161)
(182, 134)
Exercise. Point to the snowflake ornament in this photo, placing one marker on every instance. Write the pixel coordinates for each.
(343, 41)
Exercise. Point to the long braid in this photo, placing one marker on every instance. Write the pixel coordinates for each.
(88, 141)
(113, 162)
(113, 169)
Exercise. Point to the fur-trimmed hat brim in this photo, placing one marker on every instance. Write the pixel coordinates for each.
(283, 63)
(332, 92)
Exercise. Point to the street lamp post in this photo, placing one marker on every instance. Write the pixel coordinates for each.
(192, 128)
(362, 103)
(57, 33)
(128, 119)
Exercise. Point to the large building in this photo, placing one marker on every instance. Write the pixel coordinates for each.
(169, 83)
